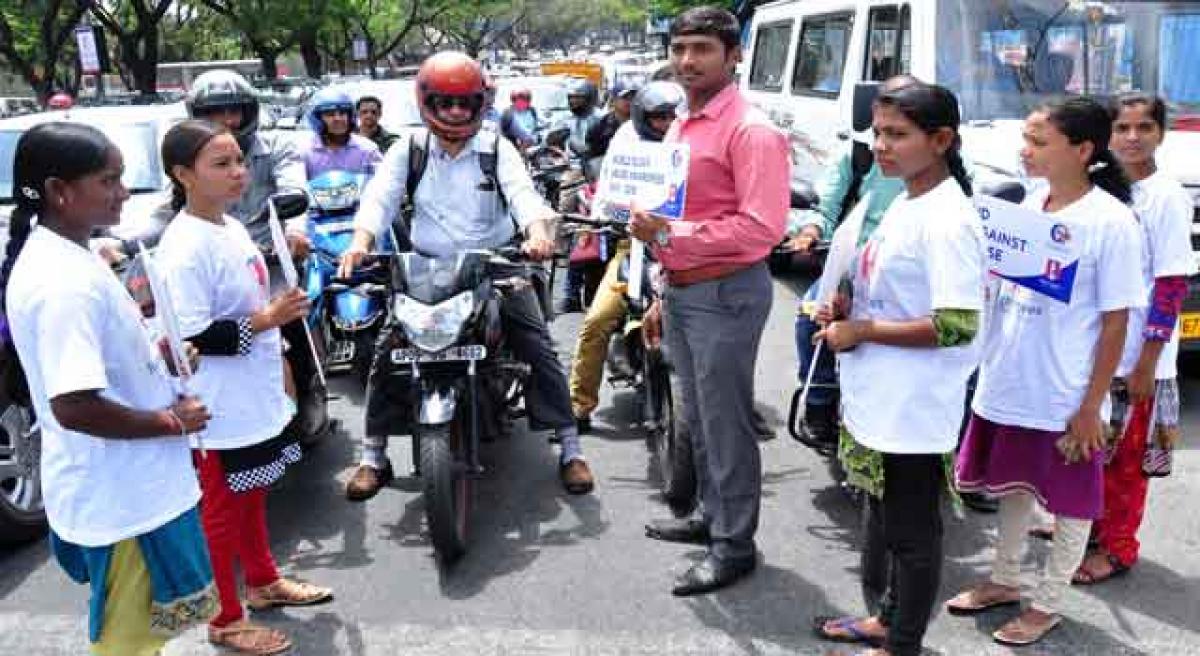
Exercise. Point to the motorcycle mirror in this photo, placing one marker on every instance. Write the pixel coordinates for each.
(1009, 190)
(290, 203)
(864, 97)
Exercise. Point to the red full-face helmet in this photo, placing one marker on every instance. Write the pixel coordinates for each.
(60, 101)
(447, 79)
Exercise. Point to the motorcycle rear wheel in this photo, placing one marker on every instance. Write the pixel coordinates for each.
(447, 488)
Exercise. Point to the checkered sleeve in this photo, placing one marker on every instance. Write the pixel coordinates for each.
(225, 337)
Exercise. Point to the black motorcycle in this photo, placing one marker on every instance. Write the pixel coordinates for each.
(447, 373)
(647, 371)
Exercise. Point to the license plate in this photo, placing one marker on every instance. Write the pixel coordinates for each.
(1189, 324)
(452, 354)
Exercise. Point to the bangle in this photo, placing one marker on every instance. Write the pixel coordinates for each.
(178, 422)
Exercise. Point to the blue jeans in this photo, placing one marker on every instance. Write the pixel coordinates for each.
(825, 376)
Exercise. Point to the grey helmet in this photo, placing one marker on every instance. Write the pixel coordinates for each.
(655, 98)
(580, 87)
(225, 88)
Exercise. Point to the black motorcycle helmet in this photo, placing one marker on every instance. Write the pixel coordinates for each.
(584, 93)
(223, 88)
(656, 98)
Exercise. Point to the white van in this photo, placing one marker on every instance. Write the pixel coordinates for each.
(1000, 57)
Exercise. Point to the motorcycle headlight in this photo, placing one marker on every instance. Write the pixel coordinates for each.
(433, 327)
(333, 199)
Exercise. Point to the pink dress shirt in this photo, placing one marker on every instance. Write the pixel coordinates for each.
(739, 186)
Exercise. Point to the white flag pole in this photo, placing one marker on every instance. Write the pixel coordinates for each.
(164, 310)
(293, 279)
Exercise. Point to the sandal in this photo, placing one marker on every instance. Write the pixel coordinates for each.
(1086, 575)
(286, 592)
(972, 601)
(248, 638)
(844, 629)
(1021, 632)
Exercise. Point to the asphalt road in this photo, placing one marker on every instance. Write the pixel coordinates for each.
(553, 574)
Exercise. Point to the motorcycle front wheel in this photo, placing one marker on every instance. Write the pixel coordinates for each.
(447, 488)
(669, 438)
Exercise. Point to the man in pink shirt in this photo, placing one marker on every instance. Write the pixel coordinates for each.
(718, 291)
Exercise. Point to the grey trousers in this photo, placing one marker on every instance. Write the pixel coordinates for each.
(712, 331)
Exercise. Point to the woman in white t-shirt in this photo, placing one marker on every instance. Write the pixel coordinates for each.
(906, 352)
(1145, 395)
(117, 479)
(218, 282)
(1037, 431)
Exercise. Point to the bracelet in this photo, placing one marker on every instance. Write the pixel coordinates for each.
(178, 421)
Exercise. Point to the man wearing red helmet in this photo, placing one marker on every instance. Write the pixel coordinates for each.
(458, 204)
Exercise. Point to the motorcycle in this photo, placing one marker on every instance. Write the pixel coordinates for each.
(446, 370)
(647, 371)
(347, 314)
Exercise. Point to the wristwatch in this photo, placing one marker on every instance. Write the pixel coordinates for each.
(663, 238)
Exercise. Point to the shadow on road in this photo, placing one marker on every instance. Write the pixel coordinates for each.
(17, 563)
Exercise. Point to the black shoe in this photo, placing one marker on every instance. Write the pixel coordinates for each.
(687, 531)
(980, 502)
(583, 425)
(713, 573)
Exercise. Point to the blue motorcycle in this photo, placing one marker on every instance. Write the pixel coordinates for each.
(346, 314)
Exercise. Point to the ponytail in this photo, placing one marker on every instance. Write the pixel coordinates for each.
(1108, 174)
(178, 195)
(958, 170)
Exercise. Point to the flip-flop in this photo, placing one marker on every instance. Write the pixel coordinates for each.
(961, 610)
(1029, 638)
(847, 624)
(1086, 576)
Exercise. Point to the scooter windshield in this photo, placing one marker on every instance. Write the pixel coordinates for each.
(432, 280)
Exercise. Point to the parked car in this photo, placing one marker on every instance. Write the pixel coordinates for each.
(138, 131)
(10, 107)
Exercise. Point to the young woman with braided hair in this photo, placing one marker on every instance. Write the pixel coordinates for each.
(119, 487)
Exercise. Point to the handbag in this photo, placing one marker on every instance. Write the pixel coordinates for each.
(587, 249)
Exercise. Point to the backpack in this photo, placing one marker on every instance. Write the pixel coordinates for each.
(418, 159)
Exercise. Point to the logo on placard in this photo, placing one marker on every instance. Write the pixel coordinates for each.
(1060, 233)
(1054, 270)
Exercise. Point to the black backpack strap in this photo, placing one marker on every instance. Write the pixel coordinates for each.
(861, 160)
(418, 158)
(489, 164)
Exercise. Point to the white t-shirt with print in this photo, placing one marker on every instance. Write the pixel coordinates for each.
(1039, 353)
(1164, 210)
(215, 272)
(927, 254)
(76, 328)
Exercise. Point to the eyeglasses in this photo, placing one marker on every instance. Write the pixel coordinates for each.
(442, 103)
(521, 96)
(660, 116)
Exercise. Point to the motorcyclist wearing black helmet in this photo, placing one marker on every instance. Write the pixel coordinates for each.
(653, 109)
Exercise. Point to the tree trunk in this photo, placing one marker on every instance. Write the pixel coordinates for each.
(270, 62)
(311, 54)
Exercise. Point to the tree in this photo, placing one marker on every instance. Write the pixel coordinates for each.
(34, 36)
(193, 32)
(135, 24)
(270, 27)
(561, 24)
(384, 25)
(476, 25)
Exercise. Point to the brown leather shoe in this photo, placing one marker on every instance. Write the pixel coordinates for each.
(576, 477)
(367, 480)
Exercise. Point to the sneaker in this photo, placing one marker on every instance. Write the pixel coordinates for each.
(367, 481)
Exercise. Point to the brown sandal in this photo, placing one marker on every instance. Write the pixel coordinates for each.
(246, 637)
(286, 592)
(1020, 632)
